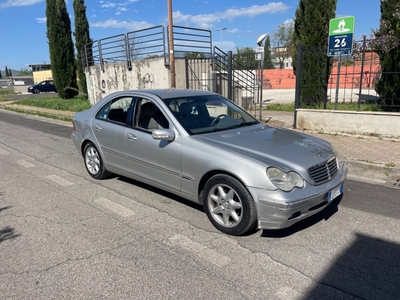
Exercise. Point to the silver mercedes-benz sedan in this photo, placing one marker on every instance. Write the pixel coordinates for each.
(202, 147)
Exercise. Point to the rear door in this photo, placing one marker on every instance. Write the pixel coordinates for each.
(109, 127)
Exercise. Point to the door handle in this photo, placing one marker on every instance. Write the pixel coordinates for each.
(131, 136)
(98, 126)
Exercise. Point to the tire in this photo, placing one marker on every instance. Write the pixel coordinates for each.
(36, 91)
(93, 162)
(229, 205)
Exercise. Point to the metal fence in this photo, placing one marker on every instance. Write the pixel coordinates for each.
(135, 45)
(357, 78)
(223, 74)
(147, 43)
(192, 40)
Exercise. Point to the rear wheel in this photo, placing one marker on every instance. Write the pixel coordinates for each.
(93, 162)
(229, 205)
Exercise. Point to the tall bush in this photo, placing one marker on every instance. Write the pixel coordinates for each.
(61, 48)
(311, 30)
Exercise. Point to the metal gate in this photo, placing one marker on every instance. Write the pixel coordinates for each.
(224, 75)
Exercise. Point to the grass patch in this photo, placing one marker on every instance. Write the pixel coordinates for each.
(390, 165)
(79, 103)
(329, 106)
(40, 114)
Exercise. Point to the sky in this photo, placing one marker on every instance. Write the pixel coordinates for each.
(23, 39)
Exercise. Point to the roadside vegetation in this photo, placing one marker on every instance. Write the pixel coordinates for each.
(81, 102)
(78, 103)
(329, 106)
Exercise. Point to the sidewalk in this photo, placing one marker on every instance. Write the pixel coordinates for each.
(370, 159)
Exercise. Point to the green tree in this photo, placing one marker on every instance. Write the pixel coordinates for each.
(6, 71)
(82, 38)
(386, 44)
(9, 73)
(283, 42)
(245, 57)
(25, 72)
(192, 55)
(267, 64)
(1, 76)
(61, 48)
(311, 30)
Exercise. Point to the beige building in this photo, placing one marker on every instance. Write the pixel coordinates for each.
(41, 72)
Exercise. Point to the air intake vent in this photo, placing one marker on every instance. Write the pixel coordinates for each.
(323, 172)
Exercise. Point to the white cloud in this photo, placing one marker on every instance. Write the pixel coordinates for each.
(11, 3)
(41, 20)
(131, 26)
(208, 20)
(107, 4)
(234, 30)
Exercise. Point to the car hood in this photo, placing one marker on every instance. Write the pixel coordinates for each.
(283, 148)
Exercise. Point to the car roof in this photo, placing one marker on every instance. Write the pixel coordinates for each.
(173, 93)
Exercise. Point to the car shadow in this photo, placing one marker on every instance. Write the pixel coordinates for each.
(323, 215)
(160, 192)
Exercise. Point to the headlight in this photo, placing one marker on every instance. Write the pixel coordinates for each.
(285, 181)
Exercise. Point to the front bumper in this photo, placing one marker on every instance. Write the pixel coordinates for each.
(278, 209)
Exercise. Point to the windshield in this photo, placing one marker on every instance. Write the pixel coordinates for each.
(203, 114)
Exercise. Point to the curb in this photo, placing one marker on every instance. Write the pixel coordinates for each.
(374, 173)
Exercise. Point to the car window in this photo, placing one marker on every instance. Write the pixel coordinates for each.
(149, 116)
(117, 110)
(201, 114)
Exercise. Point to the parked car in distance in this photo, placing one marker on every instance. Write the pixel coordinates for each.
(204, 148)
(43, 86)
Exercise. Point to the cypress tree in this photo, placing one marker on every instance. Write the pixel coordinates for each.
(1, 76)
(61, 48)
(387, 46)
(267, 64)
(6, 70)
(82, 38)
(311, 30)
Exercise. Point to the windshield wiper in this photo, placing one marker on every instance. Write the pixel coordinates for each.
(234, 126)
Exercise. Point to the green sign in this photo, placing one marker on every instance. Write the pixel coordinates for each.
(341, 26)
(340, 41)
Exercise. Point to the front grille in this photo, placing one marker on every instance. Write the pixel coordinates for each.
(323, 172)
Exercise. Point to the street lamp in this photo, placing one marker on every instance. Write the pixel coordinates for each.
(220, 30)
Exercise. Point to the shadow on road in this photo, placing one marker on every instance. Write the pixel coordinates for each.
(7, 232)
(369, 268)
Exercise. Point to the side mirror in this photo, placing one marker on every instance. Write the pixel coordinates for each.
(163, 135)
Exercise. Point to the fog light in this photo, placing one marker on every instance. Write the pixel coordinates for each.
(295, 215)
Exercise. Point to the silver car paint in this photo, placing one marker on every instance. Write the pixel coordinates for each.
(245, 153)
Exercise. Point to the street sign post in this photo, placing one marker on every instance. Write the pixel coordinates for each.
(341, 32)
(340, 43)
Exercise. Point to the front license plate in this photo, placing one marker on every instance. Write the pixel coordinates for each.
(335, 192)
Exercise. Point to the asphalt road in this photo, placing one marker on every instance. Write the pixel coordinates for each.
(64, 235)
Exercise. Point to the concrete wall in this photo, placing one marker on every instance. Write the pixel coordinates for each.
(367, 123)
(145, 74)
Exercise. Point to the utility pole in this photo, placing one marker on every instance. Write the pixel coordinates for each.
(171, 45)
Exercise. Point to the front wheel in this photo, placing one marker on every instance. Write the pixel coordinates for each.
(229, 205)
(36, 91)
(93, 162)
